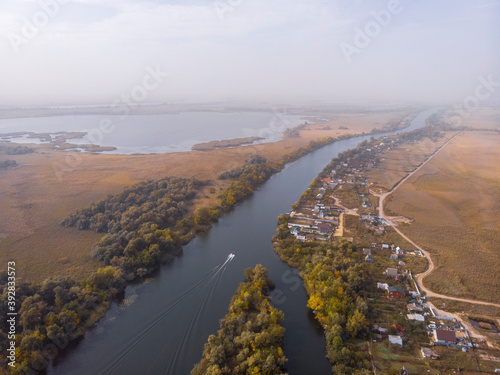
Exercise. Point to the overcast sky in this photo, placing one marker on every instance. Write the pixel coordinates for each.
(94, 51)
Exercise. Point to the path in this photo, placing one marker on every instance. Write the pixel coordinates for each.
(346, 210)
(420, 277)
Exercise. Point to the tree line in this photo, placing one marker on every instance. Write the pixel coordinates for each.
(143, 225)
(11, 149)
(7, 164)
(53, 313)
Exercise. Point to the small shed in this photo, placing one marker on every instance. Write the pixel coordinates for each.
(396, 340)
(428, 353)
(392, 272)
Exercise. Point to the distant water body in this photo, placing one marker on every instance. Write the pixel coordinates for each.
(146, 134)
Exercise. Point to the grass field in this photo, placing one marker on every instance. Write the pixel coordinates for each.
(396, 163)
(454, 201)
(33, 199)
(483, 118)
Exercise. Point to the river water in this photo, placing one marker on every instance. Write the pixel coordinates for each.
(162, 327)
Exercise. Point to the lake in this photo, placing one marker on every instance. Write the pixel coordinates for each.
(148, 134)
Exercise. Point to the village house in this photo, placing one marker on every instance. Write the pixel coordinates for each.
(367, 251)
(414, 307)
(391, 272)
(417, 317)
(385, 246)
(428, 353)
(396, 340)
(383, 286)
(380, 330)
(324, 228)
(394, 257)
(400, 330)
(394, 292)
(368, 259)
(445, 337)
(301, 237)
(367, 217)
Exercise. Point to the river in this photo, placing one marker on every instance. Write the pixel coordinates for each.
(162, 327)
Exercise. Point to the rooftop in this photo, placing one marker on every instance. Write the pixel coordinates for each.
(445, 335)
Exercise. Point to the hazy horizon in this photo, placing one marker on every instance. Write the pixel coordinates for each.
(99, 52)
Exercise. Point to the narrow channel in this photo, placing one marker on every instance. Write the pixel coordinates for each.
(162, 327)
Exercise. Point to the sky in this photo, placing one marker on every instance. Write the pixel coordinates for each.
(332, 51)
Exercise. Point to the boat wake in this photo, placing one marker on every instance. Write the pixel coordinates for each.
(206, 285)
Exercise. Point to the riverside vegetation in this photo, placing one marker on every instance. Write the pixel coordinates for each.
(335, 281)
(251, 337)
(143, 226)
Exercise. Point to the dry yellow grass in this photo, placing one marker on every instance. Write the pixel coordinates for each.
(33, 200)
(482, 118)
(354, 123)
(397, 163)
(455, 200)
